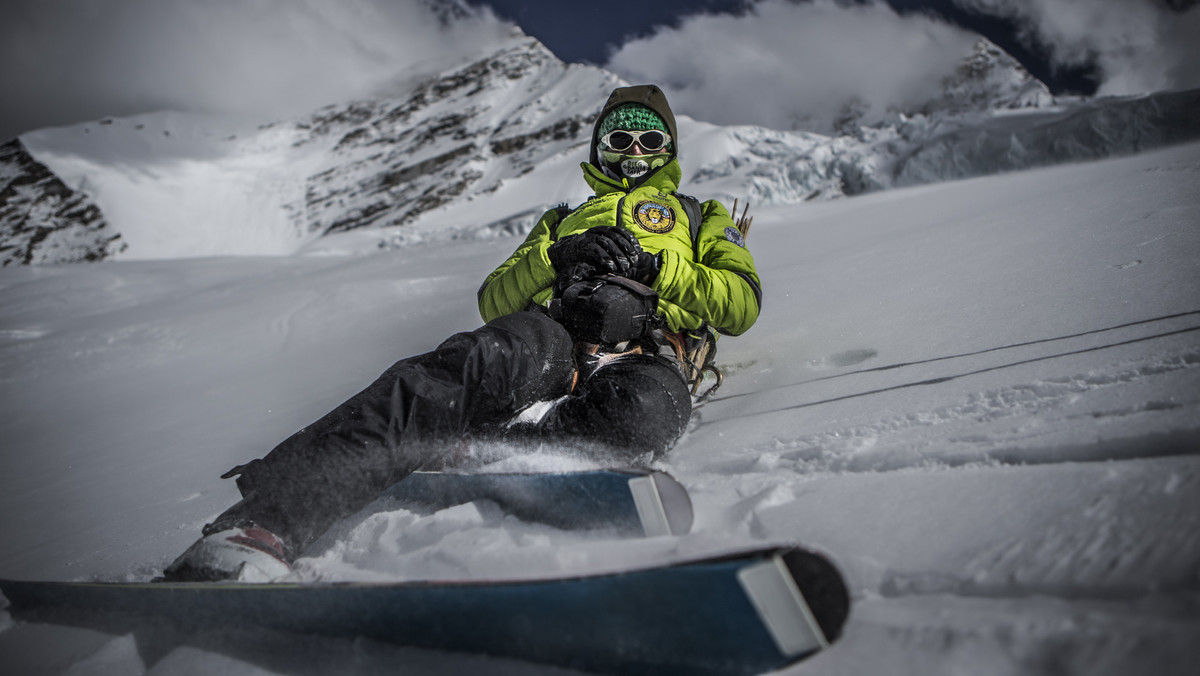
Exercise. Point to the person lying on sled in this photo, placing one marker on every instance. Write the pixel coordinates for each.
(603, 310)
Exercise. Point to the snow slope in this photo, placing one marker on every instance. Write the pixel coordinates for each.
(980, 397)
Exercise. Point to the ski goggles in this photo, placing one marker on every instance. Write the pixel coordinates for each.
(620, 140)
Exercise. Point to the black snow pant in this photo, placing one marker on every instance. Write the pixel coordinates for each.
(473, 384)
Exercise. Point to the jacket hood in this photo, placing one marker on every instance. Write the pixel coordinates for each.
(647, 95)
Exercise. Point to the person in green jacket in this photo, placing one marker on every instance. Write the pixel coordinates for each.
(599, 322)
(706, 278)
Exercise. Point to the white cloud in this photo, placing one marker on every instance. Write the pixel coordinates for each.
(796, 66)
(72, 60)
(1138, 45)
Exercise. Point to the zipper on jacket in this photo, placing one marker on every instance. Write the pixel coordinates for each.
(621, 201)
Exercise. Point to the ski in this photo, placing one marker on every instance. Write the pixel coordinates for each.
(742, 613)
(634, 502)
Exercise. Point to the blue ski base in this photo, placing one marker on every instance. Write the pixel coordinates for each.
(633, 502)
(746, 613)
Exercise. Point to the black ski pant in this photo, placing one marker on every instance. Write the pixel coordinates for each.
(473, 384)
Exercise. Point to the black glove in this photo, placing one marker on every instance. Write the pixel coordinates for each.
(645, 267)
(607, 248)
(575, 273)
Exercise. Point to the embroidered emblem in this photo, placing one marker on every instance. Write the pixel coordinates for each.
(734, 235)
(654, 217)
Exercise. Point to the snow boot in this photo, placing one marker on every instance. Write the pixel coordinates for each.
(242, 554)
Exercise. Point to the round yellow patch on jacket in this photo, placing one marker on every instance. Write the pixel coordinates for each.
(654, 217)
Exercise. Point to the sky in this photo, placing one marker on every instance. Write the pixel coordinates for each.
(559, 30)
(776, 62)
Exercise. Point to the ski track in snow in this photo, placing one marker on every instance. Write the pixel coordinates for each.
(1047, 401)
(999, 425)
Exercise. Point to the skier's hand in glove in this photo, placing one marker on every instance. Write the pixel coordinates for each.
(607, 248)
(645, 268)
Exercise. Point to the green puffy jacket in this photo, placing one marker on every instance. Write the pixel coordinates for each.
(710, 281)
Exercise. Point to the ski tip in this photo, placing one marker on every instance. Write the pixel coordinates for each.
(676, 502)
(662, 504)
(823, 587)
(800, 598)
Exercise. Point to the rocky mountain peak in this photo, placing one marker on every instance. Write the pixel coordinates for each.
(458, 134)
(989, 79)
(44, 221)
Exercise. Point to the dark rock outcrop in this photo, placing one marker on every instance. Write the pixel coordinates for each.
(43, 221)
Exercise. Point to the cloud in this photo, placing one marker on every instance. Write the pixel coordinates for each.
(796, 66)
(1138, 45)
(68, 61)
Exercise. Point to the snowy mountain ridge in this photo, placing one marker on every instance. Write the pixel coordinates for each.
(482, 149)
(463, 134)
(186, 185)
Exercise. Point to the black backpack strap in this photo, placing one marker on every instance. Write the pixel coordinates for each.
(691, 209)
(700, 346)
(563, 210)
